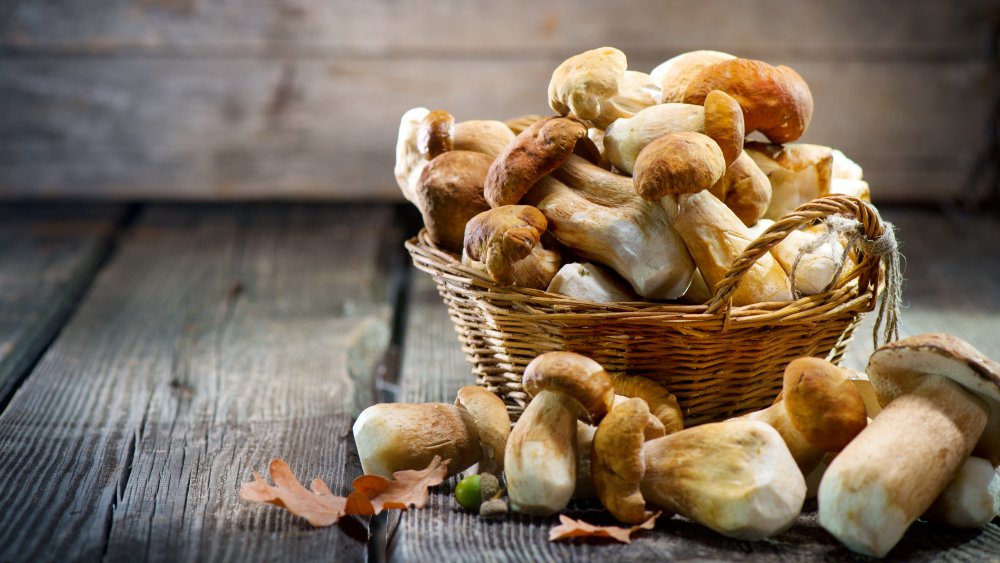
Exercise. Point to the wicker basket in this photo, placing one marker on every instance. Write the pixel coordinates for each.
(718, 360)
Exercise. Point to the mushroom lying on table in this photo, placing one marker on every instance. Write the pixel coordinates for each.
(735, 477)
(938, 393)
(541, 456)
(398, 436)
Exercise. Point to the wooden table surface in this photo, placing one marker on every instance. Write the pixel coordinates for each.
(152, 356)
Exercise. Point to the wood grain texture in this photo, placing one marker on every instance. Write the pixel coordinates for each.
(833, 29)
(952, 288)
(217, 338)
(246, 127)
(48, 254)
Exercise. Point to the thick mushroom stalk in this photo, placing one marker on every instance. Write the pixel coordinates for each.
(589, 282)
(541, 455)
(595, 86)
(735, 477)
(819, 411)
(938, 393)
(507, 242)
(971, 499)
(408, 157)
(617, 229)
(492, 424)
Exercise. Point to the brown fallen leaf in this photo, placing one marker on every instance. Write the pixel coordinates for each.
(408, 487)
(319, 506)
(571, 528)
(372, 494)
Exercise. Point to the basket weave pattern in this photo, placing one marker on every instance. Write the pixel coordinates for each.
(718, 360)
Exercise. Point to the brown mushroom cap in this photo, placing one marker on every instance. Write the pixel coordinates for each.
(449, 193)
(502, 236)
(492, 422)
(745, 189)
(580, 83)
(572, 375)
(678, 163)
(617, 463)
(436, 134)
(898, 367)
(662, 403)
(724, 124)
(776, 101)
(541, 148)
(674, 75)
(822, 403)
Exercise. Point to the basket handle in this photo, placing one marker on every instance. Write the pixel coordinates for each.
(871, 226)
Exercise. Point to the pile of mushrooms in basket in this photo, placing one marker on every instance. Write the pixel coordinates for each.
(644, 187)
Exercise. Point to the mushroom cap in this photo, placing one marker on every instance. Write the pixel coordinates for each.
(898, 367)
(482, 135)
(492, 422)
(449, 193)
(436, 134)
(724, 124)
(674, 75)
(626, 137)
(617, 463)
(541, 148)
(822, 403)
(502, 236)
(582, 82)
(678, 163)
(662, 404)
(745, 189)
(776, 101)
(572, 375)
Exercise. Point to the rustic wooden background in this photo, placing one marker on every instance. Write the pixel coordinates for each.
(301, 98)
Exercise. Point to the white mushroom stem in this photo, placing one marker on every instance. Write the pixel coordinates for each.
(408, 157)
(634, 239)
(584, 477)
(540, 463)
(895, 468)
(590, 283)
(971, 499)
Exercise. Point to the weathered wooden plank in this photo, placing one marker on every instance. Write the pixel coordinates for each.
(831, 29)
(48, 254)
(952, 288)
(249, 127)
(217, 338)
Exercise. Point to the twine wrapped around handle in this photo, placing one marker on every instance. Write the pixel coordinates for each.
(874, 239)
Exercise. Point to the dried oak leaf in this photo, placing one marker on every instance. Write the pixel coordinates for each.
(318, 506)
(408, 487)
(372, 494)
(571, 528)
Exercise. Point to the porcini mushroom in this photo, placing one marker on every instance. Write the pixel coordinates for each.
(408, 157)
(661, 402)
(595, 86)
(776, 101)
(734, 477)
(589, 282)
(541, 456)
(492, 424)
(449, 193)
(398, 436)
(678, 163)
(720, 119)
(541, 148)
(507, 242)
(816, 264)
(971, 499)
(674, 75)
(436, 134)
(745, 189)
(937, 392)
(798, 173)
(819, 410)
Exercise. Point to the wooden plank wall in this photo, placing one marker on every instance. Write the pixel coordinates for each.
(295, 98)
